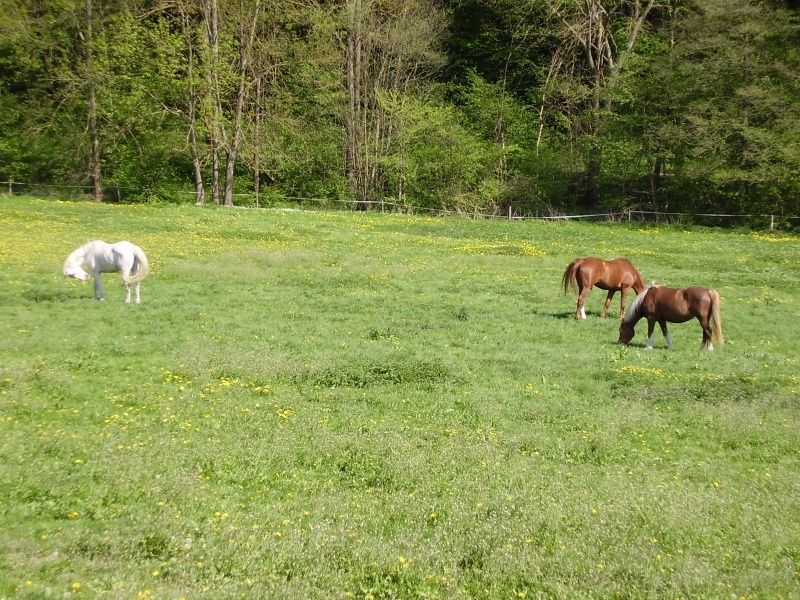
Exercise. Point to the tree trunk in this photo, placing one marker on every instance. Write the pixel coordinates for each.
(191, 117)
(94, 161)
(591, 192)
(200, 191)
(655, 179)
(241, 92)
(257, 142)
(357, 163)
(555, 67)
(211, 14)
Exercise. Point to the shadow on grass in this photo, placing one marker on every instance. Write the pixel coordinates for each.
(570, 314)
(554, 315)
(45, 295)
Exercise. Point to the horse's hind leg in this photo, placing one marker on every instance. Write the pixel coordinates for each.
(623, 296)
(667, 336)
(607, 304)
(127, 285)
(138, 299)
(580, 311)
(706, 344)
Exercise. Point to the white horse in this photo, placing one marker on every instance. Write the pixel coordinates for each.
(101, 257)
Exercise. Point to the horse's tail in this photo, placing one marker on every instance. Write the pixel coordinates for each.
(570, 278)
(716, 318)
(140, 264)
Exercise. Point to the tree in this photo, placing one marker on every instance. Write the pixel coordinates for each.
(737, 142)
(389, 47)
(247, 32)
(188, 15)
(587, 60)
(91, 116)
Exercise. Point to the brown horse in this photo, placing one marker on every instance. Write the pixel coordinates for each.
(660, 304)
(611, 275)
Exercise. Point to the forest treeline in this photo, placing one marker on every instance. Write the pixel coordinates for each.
(534, 106)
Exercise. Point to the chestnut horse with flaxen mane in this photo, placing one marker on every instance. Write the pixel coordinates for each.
(611, 275)
(660, 305)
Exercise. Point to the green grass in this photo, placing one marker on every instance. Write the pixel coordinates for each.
(336, 405)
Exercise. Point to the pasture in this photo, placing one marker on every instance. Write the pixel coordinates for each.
(340, 405)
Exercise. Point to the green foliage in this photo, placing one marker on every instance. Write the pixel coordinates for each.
(499, 110)
(437, 162)
(721, 110)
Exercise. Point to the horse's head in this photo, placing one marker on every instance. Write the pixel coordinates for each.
(75, 272)
(626, 332)
(72, 264)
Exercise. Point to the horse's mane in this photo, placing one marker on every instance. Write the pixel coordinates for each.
(633, 309)
(75, 258)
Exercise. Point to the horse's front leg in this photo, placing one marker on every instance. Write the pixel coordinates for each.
(607, 304)
(663, 324)
(98, 285)
(651, 326)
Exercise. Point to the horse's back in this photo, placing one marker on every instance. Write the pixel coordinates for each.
(109, 258)
(591, 267)
(615, 274)
(621, 263)
(125, 246)
(700, 297)
(128, 251)
(97, 246)
(678, 304)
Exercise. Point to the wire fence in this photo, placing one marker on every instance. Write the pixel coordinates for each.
(247, 200)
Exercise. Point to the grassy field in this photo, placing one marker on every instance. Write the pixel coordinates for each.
(338, 405)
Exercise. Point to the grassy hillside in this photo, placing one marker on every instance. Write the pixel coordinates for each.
(338, 405)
